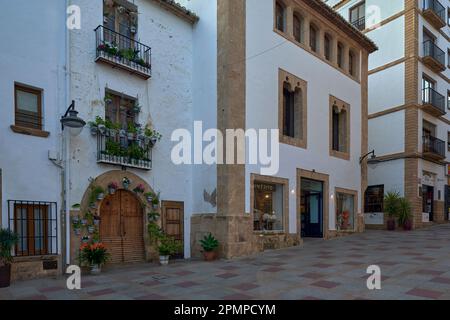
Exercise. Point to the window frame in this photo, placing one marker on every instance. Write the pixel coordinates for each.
(34, 91)
(328, 50)
(313, 43)
(344, 106)
(340, 55)
(354, 194)
(30, 232)
(295, 83)
(357, 7)
(352, 63)
(300, 37)
(117, 99)
(279, 4)
(380, 203)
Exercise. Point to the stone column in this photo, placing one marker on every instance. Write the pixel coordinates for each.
(306, 23)
(290, 22)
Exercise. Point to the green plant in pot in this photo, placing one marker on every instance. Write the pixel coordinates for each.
(391, 208)
(209, 245)
(168, 246)
(8, 240)
(404, 214)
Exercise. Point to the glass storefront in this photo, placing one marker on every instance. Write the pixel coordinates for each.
(345, 212)
(268, 207)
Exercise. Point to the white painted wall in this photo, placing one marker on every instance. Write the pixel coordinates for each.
(387, 128)
(166, 98)
(387, 89)
(262, 107)
(32, 54)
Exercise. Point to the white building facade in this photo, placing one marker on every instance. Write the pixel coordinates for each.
(408, 103)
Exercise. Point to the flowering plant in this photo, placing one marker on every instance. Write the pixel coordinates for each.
(139, 189)
(113, 185)
(94, 254)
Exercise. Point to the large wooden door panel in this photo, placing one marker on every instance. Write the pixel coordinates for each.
(173, 220)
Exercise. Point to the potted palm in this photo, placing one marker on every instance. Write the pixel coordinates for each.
(391, 208)
(404, 214)
(8, 240)
(209, 245)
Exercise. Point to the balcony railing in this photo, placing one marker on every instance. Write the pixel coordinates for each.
(122, 148)
(122, 52)
(433, 56)
(434, 147)
(360, 24)
(434, 11)
(433, 102)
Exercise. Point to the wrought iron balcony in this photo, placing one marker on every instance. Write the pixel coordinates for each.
(122, 52)
(433, 102)
(433, 56)
(122, 148)
(434, 12)
(360, 24)
(433, 148)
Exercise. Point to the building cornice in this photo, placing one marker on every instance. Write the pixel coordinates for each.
(178, 10)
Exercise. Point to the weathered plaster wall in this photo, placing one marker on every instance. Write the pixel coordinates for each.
(166, 98)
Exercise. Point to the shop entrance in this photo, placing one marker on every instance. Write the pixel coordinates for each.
(428, 201)
(311, 208)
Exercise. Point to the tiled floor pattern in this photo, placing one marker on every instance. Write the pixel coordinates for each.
(414, 265)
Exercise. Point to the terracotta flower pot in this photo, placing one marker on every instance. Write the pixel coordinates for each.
(407, 226)
(5, 276)
(391, 224)
(209, 255)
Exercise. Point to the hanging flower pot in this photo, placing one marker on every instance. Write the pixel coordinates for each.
(85, 239)
(105, 19)
(100, 196)
(153, 140)
(102, 129)
(97, 221)
(77, 231)
(83, 222)
(130, 136)
(126, 183)
(92, 205)
(122, 133)
(133, 29)
(91, 229)
(94, 130)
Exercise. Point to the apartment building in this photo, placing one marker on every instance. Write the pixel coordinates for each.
(298, 67)
(408, 103)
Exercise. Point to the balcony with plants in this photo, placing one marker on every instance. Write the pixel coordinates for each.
(127, 148)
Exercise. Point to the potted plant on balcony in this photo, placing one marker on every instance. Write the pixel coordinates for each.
(391, 208)
(404, 214)
(8, 240)
(95, 255)
(209, 245)
(112, 187)
(132, 131)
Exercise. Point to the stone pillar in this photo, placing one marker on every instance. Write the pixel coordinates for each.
(364, 129)
(306, 23)
(290, 22)
(233, 226)
(321, 43)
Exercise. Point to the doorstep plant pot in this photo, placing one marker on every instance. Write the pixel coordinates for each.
(5, 276)
(96, 269)
(407, 226)
(209, 255)
(391, 224)
(164, 260)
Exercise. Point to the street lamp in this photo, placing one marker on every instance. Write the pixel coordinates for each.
(72, 121)
(373, 157)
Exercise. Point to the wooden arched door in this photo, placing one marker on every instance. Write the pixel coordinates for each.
(121, 227)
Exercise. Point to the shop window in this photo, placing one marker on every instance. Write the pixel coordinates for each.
(28, 107)
(280, 16)
(374, 199)
(268, 206)
(298, 28)
(339, 128)
(292, 110)
(327, 47)
(345, 211)
(120, 110)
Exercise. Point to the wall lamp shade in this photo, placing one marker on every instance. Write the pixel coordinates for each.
(71, 121)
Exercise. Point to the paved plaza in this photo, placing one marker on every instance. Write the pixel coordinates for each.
(414, 265)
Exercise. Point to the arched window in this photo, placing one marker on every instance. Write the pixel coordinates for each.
(280, 16)
(298, 28)
(327, 47)
(313, 38)
(351, 63)
(340, 55)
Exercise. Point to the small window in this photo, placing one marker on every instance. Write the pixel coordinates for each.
(280, 16)
(268, 206)
(120, 110)
(298, 28)
(313, 38)
(357, 16)
(374, 199)
(340, 55)
(351, 63)
(339, 129)
(28, 107)
(345, 211)
(327, 47)
(448, 141)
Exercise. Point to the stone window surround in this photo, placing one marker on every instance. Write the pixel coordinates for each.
(274, 180)
(295, 83)
(349, 192)
(324, 27)
(343, 106)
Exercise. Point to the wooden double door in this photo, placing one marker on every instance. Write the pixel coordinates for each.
(122, 227)
(173, 222)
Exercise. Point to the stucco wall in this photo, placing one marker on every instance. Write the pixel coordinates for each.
(166, 98)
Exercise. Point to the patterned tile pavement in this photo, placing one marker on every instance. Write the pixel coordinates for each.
(414, 265)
